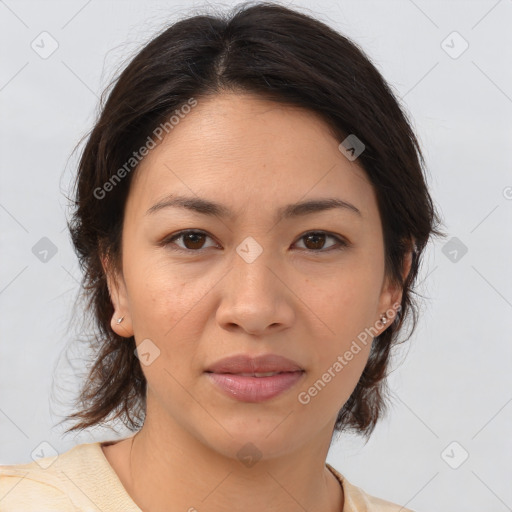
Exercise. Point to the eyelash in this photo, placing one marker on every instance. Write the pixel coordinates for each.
(167, 242)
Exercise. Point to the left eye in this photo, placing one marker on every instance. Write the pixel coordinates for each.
(319, 237)
(194, 240)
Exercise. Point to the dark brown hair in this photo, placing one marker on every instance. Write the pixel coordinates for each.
(285, 56)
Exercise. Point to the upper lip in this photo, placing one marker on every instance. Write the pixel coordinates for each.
(260, 364)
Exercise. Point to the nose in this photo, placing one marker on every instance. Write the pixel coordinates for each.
(255, 297)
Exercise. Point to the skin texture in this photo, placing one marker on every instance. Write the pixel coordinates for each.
(297, 299)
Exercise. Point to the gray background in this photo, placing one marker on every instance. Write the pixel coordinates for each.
(452, 382)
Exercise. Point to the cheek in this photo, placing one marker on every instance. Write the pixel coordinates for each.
(345, 302)
(164, 305)
(166, 310)
(345, 305)
(327, 391)
(338, 357)
(160, 294)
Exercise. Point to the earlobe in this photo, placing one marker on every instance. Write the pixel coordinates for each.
(120, 322)
(391, 297)
(121, 325)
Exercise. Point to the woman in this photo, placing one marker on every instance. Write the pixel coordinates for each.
(250, 215)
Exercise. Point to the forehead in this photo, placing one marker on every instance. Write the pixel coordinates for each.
(240, 148)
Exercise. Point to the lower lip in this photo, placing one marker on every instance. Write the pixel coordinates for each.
(255, 389)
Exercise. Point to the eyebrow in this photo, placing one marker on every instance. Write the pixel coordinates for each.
(207, 207)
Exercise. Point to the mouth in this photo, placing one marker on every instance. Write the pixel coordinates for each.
(253, 374)
(258, 379)
(246, 364)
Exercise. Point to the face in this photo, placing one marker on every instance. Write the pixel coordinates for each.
(256, 279)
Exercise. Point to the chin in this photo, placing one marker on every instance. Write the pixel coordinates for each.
(255, 436)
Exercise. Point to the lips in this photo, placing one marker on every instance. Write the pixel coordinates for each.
(257, 379)
(243, 364)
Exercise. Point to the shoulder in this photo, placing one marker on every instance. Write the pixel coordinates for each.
(30, 488)
(357, 500)
(58, 483)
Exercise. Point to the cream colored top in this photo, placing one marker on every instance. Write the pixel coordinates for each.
(82, 480)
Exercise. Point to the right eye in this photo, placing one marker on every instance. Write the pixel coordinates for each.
(192, 240)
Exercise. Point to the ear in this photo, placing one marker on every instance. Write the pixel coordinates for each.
(391, 296)
(119, 297)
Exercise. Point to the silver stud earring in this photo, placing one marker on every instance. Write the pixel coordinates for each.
(119, 320)
(384, 319)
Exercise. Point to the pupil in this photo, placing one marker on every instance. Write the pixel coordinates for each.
(313, 236)
(190, 238)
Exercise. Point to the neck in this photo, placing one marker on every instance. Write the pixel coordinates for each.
(172, 469)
